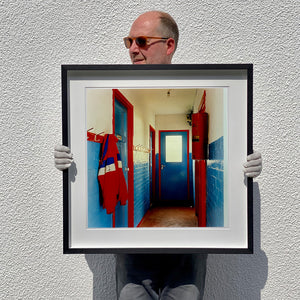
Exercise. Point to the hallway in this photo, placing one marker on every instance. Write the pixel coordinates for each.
(170, 217)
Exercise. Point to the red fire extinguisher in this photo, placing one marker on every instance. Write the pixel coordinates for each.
(199, 154)
(200, 131)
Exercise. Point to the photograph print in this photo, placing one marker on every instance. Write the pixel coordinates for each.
(156, 157)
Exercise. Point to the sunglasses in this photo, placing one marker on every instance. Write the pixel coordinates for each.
(141, 41)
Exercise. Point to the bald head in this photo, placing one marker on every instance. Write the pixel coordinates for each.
(157, 51)
(166, 25)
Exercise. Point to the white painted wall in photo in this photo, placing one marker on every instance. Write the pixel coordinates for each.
(142, 119)
(215, 109)
(171, 122)
(99, 110)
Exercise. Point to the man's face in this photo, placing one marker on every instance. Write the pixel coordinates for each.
(157, 52)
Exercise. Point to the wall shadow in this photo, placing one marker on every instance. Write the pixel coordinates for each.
(104, 279)
(73, 172)
(241, 276)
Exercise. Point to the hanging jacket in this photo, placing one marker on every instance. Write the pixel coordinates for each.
(110, 175)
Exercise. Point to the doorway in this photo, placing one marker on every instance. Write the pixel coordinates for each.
(123, 130)
(174, 168)
(152, 165)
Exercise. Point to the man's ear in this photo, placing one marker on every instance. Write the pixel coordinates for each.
(170, 46)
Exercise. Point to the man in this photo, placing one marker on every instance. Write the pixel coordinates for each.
(153, 39)
(160, 48)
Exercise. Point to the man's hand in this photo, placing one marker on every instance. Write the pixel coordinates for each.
(63, 157)
(253, 166)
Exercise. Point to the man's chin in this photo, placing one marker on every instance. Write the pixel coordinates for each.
(139, 62)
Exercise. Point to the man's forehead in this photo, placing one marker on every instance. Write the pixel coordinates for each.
(145, 25)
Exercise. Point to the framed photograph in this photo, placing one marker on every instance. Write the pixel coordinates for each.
(158, 153)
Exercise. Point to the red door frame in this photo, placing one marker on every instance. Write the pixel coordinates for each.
(152, 130)
(200, 191)
(122, 99)
(188, 161)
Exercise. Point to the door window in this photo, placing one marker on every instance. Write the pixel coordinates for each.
(174, 148)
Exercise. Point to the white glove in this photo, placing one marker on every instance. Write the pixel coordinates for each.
(63, 157)
(253, 166)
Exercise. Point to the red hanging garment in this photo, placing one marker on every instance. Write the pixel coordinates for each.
(110, 175)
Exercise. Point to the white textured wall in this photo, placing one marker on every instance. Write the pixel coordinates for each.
(38, 36)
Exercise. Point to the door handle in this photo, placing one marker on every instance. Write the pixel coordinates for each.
(162, 166)
(126, 169)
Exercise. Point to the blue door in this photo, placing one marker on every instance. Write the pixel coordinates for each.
(121, 132)
(174, 166)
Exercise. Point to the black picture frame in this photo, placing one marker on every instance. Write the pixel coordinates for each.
(237, 79)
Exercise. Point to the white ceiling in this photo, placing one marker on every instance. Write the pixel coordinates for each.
(163, 101)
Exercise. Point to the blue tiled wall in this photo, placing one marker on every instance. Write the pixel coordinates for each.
(141, 191)
(215, 185)
(216, 149)
(121, 216)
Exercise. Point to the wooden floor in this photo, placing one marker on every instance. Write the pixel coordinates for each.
(170, 217)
